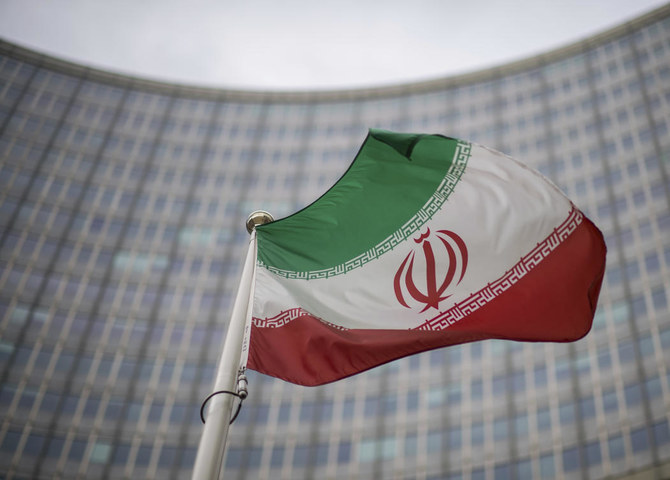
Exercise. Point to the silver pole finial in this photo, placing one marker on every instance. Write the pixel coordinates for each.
(259, 217)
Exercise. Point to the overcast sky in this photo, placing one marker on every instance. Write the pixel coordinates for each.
(312, 44)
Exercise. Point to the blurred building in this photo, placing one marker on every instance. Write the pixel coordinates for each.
(122, 208)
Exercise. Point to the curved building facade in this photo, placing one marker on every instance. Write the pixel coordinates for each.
(122, 209)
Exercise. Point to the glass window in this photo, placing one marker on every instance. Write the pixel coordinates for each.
(55, 447)
(610, 402)
(262, 413)
(477, 389)
(49, 401)
(34, 444)
(633, 394)
(435, 441)
(499, 386)
(626, 352)
(177, 413)
(371, 406)
(10, 442)
(570, 459)
(593, 456)
(547, 469)
(639, 440)
(659, 300)
(540, 375)
(344, 452)
(604, 359)
(502, 472)
(521, 425)
(100, 452)
(167, 456)
(646, 345)
(477, 433)
(104, 367)
(524, 469)
(77, 450)
(300, 456)
(632, 270)
(654, 388)
(188, 457)
(587, 408)
(64, 363)
(412, 400)
(518, 381)
(277, 458)
(663, 219)
(388, 447)
(661, 433)
(651, 262)
(113, 409)
(234, 457)
(478, 474)
(500, 429)
(665, 339)
(284, 412)
(92, 405)
(476, 350)
(27, 398)
(616, 447)
(454, 438)
(133, 412)
(566, 413)
(366, 450)
(543, 418)
(156, 411)
(411, 445)
(389, 404)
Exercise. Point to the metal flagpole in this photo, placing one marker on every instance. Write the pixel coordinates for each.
(212, 445)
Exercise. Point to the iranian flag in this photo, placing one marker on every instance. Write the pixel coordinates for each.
(426, 241)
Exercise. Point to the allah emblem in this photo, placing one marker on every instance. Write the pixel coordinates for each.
(445, 259)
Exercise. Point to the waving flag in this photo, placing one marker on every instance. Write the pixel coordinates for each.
(425, 242)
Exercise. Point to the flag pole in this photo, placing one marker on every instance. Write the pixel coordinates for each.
(208, 461)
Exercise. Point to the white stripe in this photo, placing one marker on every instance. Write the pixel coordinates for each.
(500, 208)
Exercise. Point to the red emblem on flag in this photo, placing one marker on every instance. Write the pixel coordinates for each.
(450, 263)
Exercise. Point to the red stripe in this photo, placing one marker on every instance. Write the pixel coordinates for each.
(555, 301)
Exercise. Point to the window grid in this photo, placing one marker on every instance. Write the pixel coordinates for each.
(540, 392)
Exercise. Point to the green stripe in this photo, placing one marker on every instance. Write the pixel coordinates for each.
(392, 177)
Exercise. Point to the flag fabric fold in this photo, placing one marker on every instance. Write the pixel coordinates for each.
(426, 241)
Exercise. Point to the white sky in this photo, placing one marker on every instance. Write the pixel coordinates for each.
(310, 44)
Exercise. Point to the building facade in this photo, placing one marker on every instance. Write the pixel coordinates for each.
(122, 209)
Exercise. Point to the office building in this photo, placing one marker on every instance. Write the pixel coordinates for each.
(122, 209)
